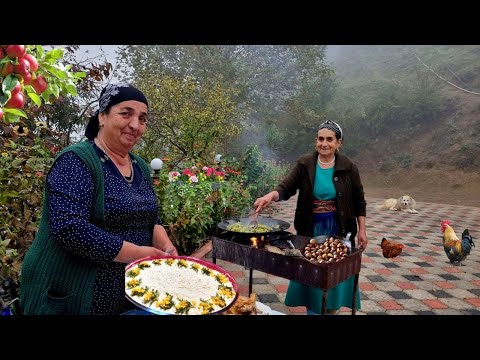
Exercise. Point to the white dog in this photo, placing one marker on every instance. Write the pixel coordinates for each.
(404, 203)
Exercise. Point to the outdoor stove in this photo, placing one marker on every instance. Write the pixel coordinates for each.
(237, 248)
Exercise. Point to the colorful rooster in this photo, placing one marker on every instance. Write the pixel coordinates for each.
(456, 250)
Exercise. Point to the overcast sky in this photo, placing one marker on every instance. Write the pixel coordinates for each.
(91, 51)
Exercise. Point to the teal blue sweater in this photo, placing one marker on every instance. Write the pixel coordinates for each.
(53, 281)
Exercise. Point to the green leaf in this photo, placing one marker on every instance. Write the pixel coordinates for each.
(10, 193)
(72, 90)
(46, 95)
(80, 74)
(40, 51)
(55, 90)
(54, 54)
(4, 98)
(35, 98)
(5, 60)
(16, 112)
(9, 83)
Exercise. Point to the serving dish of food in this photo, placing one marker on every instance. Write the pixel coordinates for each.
(179, 285)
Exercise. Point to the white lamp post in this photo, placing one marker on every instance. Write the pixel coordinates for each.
(156, 165)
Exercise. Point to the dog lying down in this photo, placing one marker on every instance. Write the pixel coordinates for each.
(404, 203)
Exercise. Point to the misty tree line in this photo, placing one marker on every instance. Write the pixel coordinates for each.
(275, 95)
(207, 99)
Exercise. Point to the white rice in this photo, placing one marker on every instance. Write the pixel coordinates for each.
(182, 283)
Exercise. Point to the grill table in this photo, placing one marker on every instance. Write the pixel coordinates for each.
(324, 276)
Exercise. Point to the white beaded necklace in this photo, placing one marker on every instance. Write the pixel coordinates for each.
(128, 179)
(326, 163)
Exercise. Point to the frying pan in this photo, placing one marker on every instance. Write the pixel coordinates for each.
(276, 225)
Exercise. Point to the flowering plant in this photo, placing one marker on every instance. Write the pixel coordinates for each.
(194, 200)
(194, 175)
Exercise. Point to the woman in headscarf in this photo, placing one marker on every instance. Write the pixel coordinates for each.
(331, 201)
(100, 212)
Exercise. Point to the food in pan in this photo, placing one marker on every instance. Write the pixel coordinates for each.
(261, 228)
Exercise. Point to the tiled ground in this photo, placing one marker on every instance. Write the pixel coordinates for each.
(420, 281)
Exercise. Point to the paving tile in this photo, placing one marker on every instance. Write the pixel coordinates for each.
(264, 289)
(268, 298)
(371, 307)
(435, 304)
(390, 305)
(367, 286)
(257, 280)
(471, 312)
(440, 293)
(375, 278)
(399, 295)
(447, 312)
(457, 304)
(391, 265)
(378, 296)
(460, 293)
(387, 286)
(406, 285)
(423, 312)
(420, 294)
(400, 312)
(445, 285)
(412, 277)
(413, 305)
(475, 292)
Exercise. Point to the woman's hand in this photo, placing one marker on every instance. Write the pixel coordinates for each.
(131, 252)
(265, 200)
(162, 242)
(362, 239)
(362, 232)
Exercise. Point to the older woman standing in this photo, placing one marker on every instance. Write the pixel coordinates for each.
(331, 201)
(100, 212)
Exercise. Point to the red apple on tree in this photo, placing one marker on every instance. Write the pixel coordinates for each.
(33, 62)
(15, 51)
(17, 88)
(16, 101)
(40, 84)
(2, 53)
(22, 68)
(27, 78)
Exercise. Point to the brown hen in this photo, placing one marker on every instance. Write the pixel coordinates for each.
(390, 248)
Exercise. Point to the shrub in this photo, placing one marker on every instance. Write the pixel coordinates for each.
(194, 201)
(22, 174)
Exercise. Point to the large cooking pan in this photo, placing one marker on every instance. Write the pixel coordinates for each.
(276, 225)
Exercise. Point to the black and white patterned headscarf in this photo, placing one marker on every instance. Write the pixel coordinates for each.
(111, 95)
(332, 126)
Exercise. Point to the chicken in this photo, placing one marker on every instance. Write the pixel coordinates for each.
(456, 250)
(390, 248)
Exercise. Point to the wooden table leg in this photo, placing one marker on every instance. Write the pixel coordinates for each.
(355, 288)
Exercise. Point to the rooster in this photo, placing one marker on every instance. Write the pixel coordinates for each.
(456, 250)
(390, 248)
